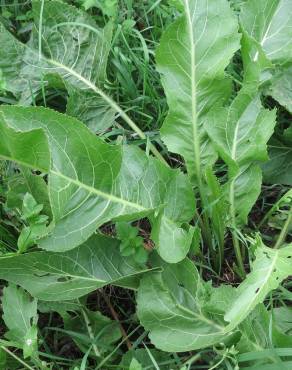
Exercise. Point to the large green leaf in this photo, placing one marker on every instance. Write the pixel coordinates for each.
(67, 43)
(171, 307)
(240, 134)
(267, 28)
(91, 182)
(270, 267)
(54, 276)
(192, 56)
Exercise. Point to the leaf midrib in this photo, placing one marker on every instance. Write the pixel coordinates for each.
(196, 142)
(264, 37)
(90, 189)
(263, 285)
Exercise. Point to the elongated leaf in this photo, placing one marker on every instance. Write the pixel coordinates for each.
(270, 267)
(91, 182)
(258, 331)
(51, 276)
(182, 313)
(170, 305)
(192, 56)
(240, 134)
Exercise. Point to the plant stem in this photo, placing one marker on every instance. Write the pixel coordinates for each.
(236, 245)
(16, 358)
(90, 332)
(284, 231)
(238, 255)
(116, 317)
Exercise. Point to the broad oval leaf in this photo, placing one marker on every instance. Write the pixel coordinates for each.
(56, 27)
(91, 182)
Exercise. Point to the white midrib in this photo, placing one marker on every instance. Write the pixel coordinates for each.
(100, 193)
(90, 189)
(202, 318)
(107, 99)
(99, 92)
(193, 93)
(266, 34)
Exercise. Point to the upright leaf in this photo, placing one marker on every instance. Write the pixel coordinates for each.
(259, 333)
(240, 134)
(192, 56)
(267, 33)
(51, 276)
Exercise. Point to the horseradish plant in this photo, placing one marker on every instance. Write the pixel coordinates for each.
(77, 182)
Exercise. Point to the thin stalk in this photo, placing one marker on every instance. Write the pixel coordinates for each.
(116, 317)
(99, 366)
(90, 332)
(238, 255)
(16, 358)
(205, 228)
(40, 31)
(284, 231)
(236, 245)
